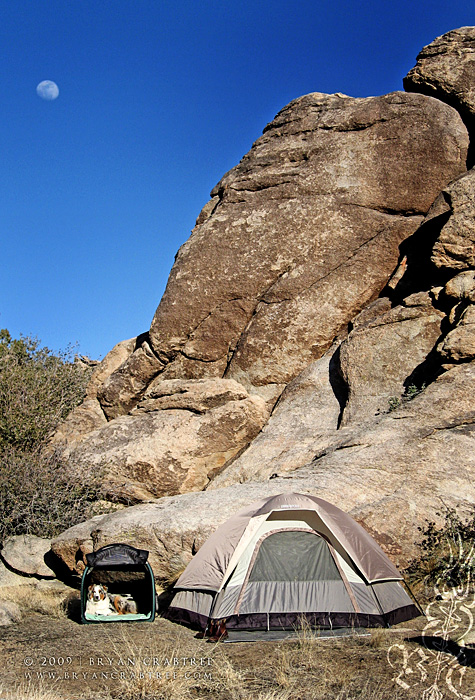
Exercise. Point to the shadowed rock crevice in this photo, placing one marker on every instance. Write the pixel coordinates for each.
(339, 386)
(418, 271)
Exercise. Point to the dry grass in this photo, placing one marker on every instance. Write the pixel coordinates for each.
(186, 669)
(27, 691)
(308, 668)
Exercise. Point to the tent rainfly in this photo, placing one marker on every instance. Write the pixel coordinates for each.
(285, 558)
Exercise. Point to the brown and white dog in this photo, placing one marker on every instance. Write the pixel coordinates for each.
(124, 604)
(100, 602)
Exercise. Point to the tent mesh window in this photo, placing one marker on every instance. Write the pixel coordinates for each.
(309, 559)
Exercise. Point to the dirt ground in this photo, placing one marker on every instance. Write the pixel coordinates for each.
(48, 658)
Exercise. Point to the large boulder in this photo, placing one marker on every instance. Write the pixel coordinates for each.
(380, 355)
(459, 343)
(179, 434)
(446, 69)
(28, 554)
(300, 236)
(454, 248)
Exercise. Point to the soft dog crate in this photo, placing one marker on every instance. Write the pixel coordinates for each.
(288, 558)
(126, 572)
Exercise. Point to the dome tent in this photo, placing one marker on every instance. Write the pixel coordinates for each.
(285, 558)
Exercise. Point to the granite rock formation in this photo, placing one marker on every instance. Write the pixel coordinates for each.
(331, 351)
(445, 70)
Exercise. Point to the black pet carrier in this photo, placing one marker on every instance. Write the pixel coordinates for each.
(123, 580)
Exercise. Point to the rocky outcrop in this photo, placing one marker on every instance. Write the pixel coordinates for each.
(176, 438)
(454, 248)
(341, 302)
(28, 554)
(388, 477)
(445, 69)
(300, 236)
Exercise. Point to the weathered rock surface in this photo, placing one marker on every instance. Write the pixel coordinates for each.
(26, 554)
(111, 362)
(118, 394)
(388, 476)
(82, 421)
(303, 421)
(446, 69)
(9, 612)
(9, 579)
(455, 244)
(173, 443)
(196, 395)
(380, 355)
(300, 236)
(459, 344)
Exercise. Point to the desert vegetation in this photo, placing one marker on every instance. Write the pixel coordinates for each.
(447, 555)
(38, 389)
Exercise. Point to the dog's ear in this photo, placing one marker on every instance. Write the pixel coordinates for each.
(90, 587)
(105, 588)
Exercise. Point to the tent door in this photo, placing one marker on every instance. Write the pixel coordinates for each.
(293, 571)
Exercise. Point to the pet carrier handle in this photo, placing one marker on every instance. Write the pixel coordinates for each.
(117, 554)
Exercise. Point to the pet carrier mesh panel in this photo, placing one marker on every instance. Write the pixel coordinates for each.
(126, 577)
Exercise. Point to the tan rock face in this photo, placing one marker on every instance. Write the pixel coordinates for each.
(459, 344)
(461, 287)
(455, 245)
(390, 476)
(82, 421)
(112, 361)
(194, 395)
(304, 420)
(379, 356)
(446, 69)
(173, 443)
(300, 236)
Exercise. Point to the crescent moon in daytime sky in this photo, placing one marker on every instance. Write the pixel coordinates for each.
(47, 90)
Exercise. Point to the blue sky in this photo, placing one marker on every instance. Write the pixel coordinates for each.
(158, 99)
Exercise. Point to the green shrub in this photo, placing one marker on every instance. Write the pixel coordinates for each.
(40, 493)
(394, 402)
(447, 552)
(37, 390)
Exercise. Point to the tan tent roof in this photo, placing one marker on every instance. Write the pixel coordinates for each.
(208, 568)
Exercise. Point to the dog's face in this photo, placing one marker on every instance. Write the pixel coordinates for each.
(97, 592)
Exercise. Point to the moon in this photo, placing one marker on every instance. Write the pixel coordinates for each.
(47, 90)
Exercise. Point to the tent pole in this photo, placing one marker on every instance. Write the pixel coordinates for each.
(418, 606)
